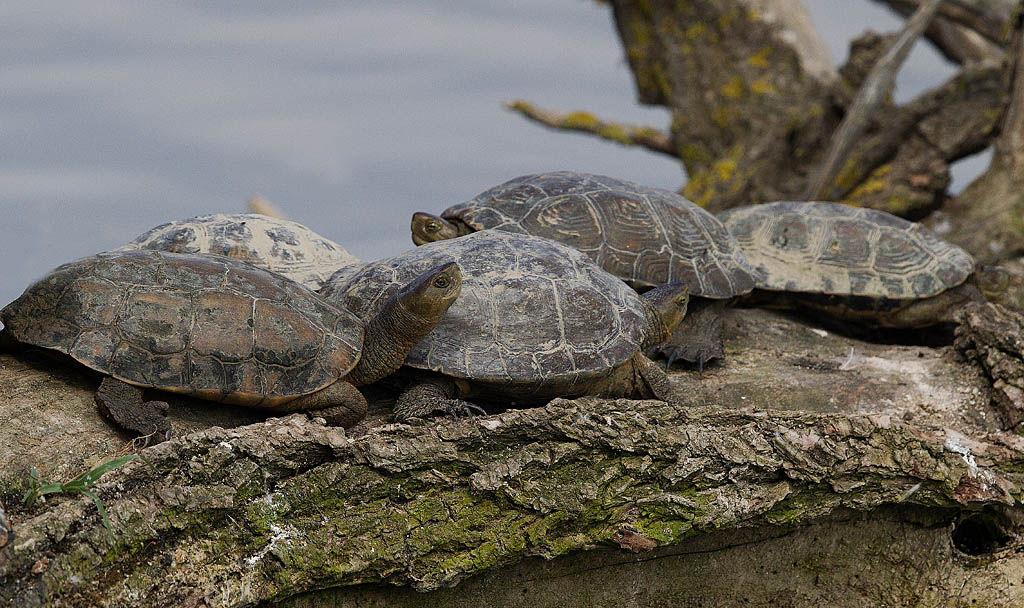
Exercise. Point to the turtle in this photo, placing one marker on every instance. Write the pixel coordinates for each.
(220, 329)
(645, 236)
(536, 319)
(860, 265)
(283, 246)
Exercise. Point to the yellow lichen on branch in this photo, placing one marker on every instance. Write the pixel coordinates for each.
(585, 122)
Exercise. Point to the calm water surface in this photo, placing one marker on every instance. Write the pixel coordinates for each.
(117, 116)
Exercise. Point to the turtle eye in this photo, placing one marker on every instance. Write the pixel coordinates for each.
(433, 226)
(682, 300)
(442, 282)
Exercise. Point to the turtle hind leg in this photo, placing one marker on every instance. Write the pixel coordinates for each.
(122, 403)
(429, 396)
(340, 404)
(699, 337)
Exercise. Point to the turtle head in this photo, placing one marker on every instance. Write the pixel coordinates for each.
(665, 311)
(429, 295)
(405, 319)
(427, 228)
(993, 281)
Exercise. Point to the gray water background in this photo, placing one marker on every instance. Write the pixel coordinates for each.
(118, 116)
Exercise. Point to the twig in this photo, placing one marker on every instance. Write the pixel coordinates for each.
(585, 122)
(877, 85)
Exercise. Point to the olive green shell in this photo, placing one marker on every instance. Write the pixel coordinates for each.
(209, 326)
(830, 248)
(645, 236)
(275, 244)
(535, 318)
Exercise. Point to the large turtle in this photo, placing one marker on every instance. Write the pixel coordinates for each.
(223, 330)
(857, 264)
(645, 236)
(535, 320)
(286, 247)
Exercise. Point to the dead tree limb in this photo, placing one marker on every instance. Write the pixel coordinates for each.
(802, 431)
(986, 219)
(956, 42)
(986, 17)
(585, 122)
(875, 88)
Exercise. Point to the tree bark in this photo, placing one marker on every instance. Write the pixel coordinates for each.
(801, 434)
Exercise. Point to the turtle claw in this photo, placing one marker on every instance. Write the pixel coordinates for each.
(464, 408)
(672, 356)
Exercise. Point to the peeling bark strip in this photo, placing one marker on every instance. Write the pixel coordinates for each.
(233, 517)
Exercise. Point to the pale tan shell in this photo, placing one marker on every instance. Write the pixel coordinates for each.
(278, 245)
(830, 248)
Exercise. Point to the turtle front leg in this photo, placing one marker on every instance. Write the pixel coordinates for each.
(698, 337)
(652, 381)
(639, 378)
(340, 404)
(432, 395)
(122, 403)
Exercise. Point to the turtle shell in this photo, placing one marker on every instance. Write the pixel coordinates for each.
(275, 244)
(535, 318)
(645, 236)
(831, 248)
(210, 326)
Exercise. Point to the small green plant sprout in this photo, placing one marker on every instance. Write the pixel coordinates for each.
(81, 484)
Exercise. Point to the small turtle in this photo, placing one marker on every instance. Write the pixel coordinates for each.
(275, 244)
(645, 236)
(535, 320)
(857, 264)
(222, 330)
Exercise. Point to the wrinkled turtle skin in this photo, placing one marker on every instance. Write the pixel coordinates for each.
(275, 244)
(206, 326)
(535, 319)
(856, 264)
(645, 236)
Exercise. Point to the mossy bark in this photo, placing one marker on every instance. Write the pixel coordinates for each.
(801, 434)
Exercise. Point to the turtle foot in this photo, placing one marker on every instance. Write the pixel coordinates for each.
(454, 408)
(122, 403)
(698, 339)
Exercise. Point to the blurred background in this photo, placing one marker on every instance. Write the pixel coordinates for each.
(118, 116)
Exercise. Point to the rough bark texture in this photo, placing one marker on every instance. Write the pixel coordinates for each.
(801, 458)
(754, 111)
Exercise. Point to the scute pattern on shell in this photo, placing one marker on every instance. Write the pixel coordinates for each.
(207, 325)
(645, 236)
(831, 248)
(275, 244)
(533, 314)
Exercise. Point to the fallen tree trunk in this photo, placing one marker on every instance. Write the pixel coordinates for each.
(803, 443)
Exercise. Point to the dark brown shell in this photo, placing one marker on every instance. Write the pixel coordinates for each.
(209, 326)
(534, 317)
(830, 248)
(645, 236)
